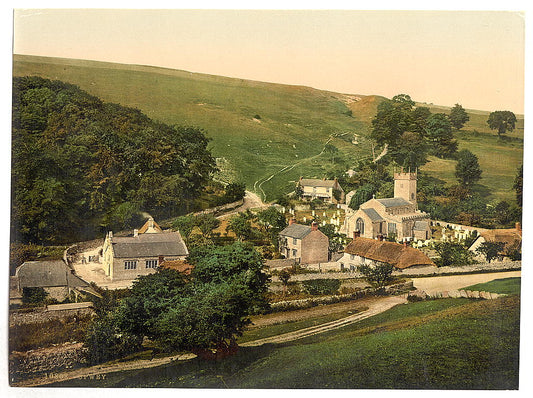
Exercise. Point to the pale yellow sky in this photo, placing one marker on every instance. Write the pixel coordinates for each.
(472, 58)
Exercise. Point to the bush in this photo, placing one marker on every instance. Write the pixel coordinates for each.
(317, 287)
(34, 295)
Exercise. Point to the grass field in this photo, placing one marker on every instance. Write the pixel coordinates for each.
(271, 151)
(500, 286)
(440, 344)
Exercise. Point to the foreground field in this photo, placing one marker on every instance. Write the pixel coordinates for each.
(440, 344)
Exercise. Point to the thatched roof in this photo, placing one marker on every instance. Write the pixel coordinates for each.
(396, 254)
(511, 237)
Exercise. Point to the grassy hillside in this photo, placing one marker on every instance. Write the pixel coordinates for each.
(440, 344)
(285, 141)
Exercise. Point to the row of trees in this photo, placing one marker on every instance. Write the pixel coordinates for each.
(80, 165)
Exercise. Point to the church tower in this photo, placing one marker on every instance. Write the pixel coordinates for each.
(405, 186)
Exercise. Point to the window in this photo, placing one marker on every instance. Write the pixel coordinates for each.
(294, 252)
(130, 264)
(360, 226)
(294, 241)
(392, 228)
(151, 263)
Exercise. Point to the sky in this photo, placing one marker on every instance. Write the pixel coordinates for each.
(474, 58)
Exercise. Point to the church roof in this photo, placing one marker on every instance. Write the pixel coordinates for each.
(149, 245)
(372, 214)
(398, 255)
(297, 231)
(393, 202)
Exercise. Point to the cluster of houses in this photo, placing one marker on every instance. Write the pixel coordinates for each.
(124, 258)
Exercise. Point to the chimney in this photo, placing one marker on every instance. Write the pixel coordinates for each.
(292, 221)
(380, 237)
(161, 259)
(356, 234)
(135, 233)
(314, 226)
(518, 227)
(110, 234)
(405, 243)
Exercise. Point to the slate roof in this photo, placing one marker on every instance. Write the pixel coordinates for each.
(387, 252)
(393, 202)
(47, 274)
(297, 231)
(149, 245)
(372, 214)
(316, 182)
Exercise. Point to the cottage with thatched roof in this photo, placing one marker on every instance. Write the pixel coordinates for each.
(372, 251)
(512, 237)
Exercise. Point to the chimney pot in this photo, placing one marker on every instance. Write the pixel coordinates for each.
(135, 233)
(314, 226)
(292, 221)
(161, 259)
(356, 234)
(380, 237)
(518, 226)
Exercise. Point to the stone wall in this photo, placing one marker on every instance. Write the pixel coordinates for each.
(221, 208)
(43, 315)
(483, 267)
(45, 361)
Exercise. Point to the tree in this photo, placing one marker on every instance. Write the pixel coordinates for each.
(206, 223)
(410, 151)
(491, 250)
(241, 226)
(185, 225)
(361, 196)
(502, 121)
(458, 117)
(393, 118)
(440, 135)
(518, 185)
(284, 277)
(452, 254)
(378, 275)
(272, 222)
(234, 191)
(467, 169)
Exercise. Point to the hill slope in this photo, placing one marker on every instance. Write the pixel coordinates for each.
(264, 134)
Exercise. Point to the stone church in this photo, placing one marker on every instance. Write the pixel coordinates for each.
(398, 217)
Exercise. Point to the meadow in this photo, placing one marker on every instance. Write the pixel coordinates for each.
(268, 135)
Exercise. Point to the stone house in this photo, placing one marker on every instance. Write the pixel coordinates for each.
(398, 216)
(326, 190)
(512, 237)
(55, 277)
(373, 251)
(306, 244)
(126, 258)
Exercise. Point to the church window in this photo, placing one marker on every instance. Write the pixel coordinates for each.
(392, 228)
(360, 225)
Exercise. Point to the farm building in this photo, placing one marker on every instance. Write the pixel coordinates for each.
(372, 251)
(131, 256)
(306, 244)
(398, 216)
(55, 277)
(512, 237)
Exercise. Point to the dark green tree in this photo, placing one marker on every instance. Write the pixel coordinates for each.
(440, 135)
(271, 222)
(458, 117)
(519, 184)
(234, 191)
(206, 223)
(378, 275)
(502, 121)
(362, 194)
(491, 250)
(453, 254)
(185, 225)
(467, 170)
(241, 226)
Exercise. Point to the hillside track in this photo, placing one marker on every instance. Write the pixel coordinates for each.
(375, 308)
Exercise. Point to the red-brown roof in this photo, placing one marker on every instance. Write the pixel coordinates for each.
(177, 265)
(396, 254)
(511, 237)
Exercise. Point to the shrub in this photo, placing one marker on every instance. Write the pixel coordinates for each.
(33, 295)
(322, 286)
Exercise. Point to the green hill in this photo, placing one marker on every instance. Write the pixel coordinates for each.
(264, 134)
